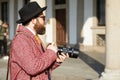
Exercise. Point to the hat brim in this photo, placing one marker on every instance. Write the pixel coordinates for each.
(37, 13)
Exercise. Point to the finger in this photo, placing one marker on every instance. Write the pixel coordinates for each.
(53, 43)
(67, 55)
(63, 54)
(62, 57)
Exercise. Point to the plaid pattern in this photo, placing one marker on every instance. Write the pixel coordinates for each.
(27, 59)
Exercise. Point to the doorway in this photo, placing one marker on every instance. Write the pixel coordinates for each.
(60, 26)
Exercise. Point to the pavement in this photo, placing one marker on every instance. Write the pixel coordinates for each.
(3, 68)
(88, 66)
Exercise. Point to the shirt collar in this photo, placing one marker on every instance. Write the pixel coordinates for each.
(31, 30)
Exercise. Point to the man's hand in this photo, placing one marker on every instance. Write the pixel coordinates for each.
(5, 34)
(53, 47)
(62, 57)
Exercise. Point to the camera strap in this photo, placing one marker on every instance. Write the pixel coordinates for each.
(49, 77)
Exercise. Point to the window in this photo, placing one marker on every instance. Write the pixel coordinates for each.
(101, 12)
(57, 2)
(100, 40)
(4, 11)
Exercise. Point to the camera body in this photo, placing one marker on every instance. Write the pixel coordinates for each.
(72, 52)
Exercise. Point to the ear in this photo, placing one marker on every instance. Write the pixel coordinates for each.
(34, 21)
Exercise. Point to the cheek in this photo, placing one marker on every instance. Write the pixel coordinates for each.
(42, 21)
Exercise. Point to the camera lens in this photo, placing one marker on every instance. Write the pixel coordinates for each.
(72, 52)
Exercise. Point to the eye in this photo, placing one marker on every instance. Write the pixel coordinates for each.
(42, 16)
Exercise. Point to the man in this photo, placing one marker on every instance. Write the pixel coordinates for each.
(29, 60)
(3, 39)
(5, 26)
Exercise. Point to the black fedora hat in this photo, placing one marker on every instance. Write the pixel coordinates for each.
(29, 11)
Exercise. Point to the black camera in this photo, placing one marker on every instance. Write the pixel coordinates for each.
(72, 52)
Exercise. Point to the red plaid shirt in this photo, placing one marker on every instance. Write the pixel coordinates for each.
(27, 59)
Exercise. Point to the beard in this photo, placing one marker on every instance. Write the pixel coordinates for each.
(40, 29)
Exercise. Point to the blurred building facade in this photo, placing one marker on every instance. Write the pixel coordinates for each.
(68, 22)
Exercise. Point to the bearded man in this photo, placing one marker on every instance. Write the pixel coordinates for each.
(29, 60)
